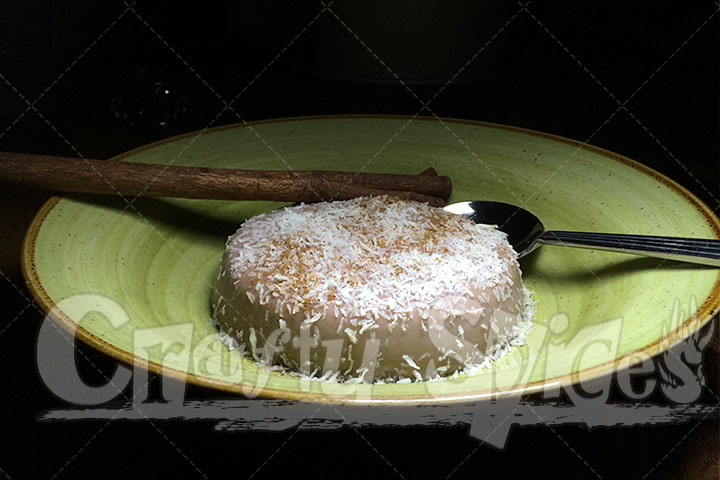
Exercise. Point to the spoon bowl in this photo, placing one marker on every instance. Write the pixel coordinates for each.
(526, 232)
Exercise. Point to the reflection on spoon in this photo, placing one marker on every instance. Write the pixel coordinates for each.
(526, 232)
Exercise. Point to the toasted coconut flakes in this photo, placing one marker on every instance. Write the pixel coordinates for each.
(310, 258)
(322, 241)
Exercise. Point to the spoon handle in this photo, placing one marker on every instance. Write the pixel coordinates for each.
(694, 250)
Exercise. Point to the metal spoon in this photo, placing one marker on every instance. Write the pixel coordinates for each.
(526, 232)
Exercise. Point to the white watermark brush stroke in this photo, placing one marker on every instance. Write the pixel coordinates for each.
(487, 423)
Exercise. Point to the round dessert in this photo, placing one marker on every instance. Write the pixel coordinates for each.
(371, 288)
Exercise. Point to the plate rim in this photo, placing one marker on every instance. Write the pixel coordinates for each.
(706, 310)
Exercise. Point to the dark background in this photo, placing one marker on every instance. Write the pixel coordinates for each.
(638, 78)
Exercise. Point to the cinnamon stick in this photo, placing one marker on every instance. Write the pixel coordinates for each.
(140, 179)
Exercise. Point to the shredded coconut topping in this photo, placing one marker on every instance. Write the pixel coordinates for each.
(368, 260)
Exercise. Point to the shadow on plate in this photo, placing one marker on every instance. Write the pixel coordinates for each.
(169, 213)
(615, 269)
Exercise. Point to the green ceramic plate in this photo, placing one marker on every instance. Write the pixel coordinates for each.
(157, 259)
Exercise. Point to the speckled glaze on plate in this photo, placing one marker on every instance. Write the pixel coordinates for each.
(596, 311)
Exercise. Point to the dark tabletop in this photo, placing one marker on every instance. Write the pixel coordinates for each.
(640, 79)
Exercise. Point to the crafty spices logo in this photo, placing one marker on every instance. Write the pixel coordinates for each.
(484, 395)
